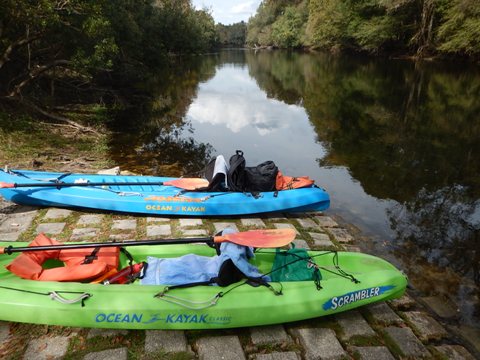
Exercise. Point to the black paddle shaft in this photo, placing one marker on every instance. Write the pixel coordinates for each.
(209, 241)
(60, 184)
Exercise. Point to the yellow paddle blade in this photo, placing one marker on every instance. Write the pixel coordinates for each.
(272, 238)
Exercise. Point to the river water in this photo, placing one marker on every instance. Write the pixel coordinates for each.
(395, 143)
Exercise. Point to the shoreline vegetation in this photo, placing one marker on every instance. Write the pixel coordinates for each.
(414, 29)
(68, 66)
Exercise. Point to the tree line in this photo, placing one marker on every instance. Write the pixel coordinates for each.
(80, 51)
(418, 28)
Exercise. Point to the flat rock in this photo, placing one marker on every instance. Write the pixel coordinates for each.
(47, 348)
(90, 219)
(18, 221)
(168, 341)
(51, 228)
(266, 335)
(288, 355)
(454, 352)
(341, 235)
(113, 171)
(190, 222)
(153, 219)
(55, 213)
(301, 244)
(307, 223)
(319, 344)
(112, 354)
(326, 221)
(425, 326)
(159, 230)
(195, 232)
(354, 325)
(406, 341)
(372, 352)
(383, 314)
(403, 303)
(286, 226)
(441, 306)
(83, 233)
(220, 348)
(105, 333)
(253, 222)
(124, 224)
(321, 240)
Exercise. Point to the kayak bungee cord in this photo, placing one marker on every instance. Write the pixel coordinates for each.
(340, 273)
(210, 302)
(55, 180)
(55, 295)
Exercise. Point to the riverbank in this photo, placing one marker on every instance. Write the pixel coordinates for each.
(33, 143)
(409, 327)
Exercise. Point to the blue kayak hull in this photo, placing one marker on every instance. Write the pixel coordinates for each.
(153, 199)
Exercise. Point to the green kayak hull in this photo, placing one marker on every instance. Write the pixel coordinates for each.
(136, 306)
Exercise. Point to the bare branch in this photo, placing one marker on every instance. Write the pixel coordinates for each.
(16, 44)
(55, 117)
(35, 73)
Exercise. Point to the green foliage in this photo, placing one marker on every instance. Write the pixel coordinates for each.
(231, 35)
(55, 49)
(327, 23)
(375, 26)
(288, 29)
(460, 32)
(260, 25)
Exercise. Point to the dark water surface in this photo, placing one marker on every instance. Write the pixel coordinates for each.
(396, 144)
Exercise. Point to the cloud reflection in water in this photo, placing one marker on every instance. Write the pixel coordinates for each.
(234, 100)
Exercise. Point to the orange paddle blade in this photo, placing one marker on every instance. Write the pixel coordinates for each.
(188, 183)
(259, 238)
(4, 185)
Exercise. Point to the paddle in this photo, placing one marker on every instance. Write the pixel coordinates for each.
(254, 238)
(182, 183)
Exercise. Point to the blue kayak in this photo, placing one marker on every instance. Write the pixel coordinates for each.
(149, 197)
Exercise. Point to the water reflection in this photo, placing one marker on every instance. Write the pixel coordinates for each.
(233, 100)
(150, 136)
(395, 143)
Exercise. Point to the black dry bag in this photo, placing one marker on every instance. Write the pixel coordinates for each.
(261, 177)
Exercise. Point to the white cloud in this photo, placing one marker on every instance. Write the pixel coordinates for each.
(228, 11)
(244, 8)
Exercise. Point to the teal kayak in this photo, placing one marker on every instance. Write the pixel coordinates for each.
(348, 280)
(148, 195)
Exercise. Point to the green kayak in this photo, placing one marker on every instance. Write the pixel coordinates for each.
(348, 280)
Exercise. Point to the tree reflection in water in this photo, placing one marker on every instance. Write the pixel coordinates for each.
(442, 227)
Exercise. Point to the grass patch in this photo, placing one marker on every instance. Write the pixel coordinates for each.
(134, 341)
(28, 143)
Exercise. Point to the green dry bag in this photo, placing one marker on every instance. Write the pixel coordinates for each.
(295, 265)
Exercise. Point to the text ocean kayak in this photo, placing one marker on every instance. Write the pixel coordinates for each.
(136, 306)
(152, 199)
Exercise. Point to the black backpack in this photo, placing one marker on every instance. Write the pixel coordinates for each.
(236, 178)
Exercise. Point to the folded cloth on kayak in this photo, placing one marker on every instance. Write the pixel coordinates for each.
(193, 268)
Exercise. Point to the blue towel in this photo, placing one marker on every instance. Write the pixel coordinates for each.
(193, 268)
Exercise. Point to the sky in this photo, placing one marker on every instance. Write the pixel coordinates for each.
(229, 12)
